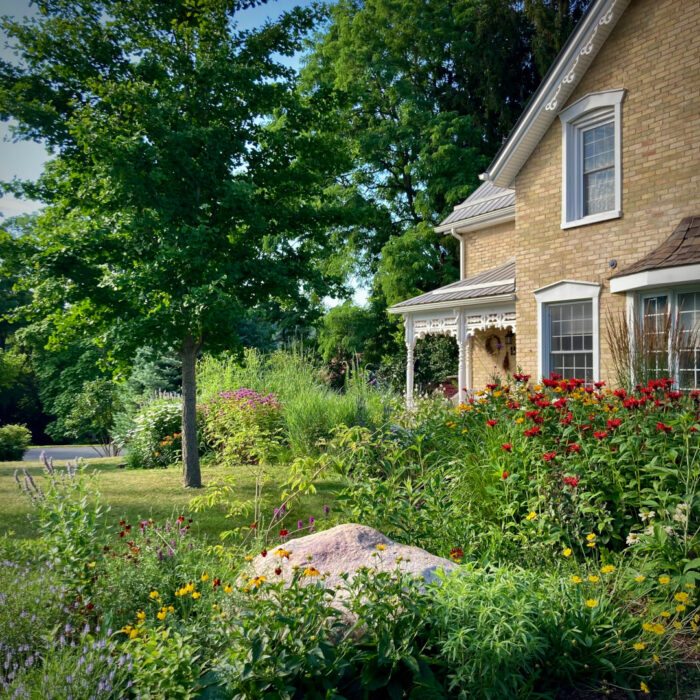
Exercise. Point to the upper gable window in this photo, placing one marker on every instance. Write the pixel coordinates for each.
(591, 159)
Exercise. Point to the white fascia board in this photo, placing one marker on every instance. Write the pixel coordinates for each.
(663, 277)
(563, 78)
(454, 304)
(483, 285)
(478, 222)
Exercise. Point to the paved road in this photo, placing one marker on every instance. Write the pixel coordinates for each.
(61, 452)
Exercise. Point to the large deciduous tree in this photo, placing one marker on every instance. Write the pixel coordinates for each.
(188, 178)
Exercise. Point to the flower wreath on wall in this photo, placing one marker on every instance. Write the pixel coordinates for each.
(493, 344)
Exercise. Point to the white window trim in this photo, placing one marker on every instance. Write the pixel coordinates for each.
(591, 110)
(683, 274)
(562, 292)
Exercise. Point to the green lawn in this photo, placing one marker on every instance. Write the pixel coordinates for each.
(135, 495)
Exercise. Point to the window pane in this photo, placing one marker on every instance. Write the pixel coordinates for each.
(598, 191)
(598, 148)
(689, 321)
(598, 169)
(571, 348)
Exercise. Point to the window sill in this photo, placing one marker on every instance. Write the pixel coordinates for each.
(593, 219)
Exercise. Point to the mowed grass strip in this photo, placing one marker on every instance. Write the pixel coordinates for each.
(134, 495)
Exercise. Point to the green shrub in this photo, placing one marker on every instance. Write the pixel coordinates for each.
(154, 440)
(14, 440)
(241, 426)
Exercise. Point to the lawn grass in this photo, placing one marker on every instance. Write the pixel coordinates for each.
(134, 495)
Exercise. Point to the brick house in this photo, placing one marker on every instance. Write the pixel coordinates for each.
(590, 209)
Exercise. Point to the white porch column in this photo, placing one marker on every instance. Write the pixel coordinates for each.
(464, 348)
(410, 360)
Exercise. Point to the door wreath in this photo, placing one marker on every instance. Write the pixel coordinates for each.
(493, 344)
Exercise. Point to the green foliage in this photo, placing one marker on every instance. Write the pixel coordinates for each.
(512, 632)
(153, 440)
(311, 409)
(92, 416)
(14, 440)
(72, 524)
(241, 425)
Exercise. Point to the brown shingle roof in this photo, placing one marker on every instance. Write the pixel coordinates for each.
(682, 247)
(494, 282)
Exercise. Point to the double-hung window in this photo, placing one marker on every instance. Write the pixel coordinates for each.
(592, 159)
(568, 317)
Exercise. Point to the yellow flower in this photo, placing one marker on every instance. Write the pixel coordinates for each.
(380, 547)
(665, 613)
(590, 536)
(576, 579)
(567, 552)
(519, 420)
(593, 579)
(311, 571)
(257, 581)
(639, 579)
(664, 580)
(205, 576)
(127, 629)
(656, 658)
(680, 608)
(133, 634)
(658, 629)
(228, 588)
(648, 627)
(682, 597)
(537, 387)
(591, 603)
(677, 625)
(161, 615)
(497, 394)
(531, 515)
(196, 595)
(171, 609)
(694, 625)
(249, 557)
(640, 646)
(464, 432)
(91, 564)
(153, 594)
(141, 615)
(644, 687)
(690, 585)
(607, 569)
(189, 587)
(282, 553)
(590, 544)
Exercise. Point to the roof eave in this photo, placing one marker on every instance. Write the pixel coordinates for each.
(498, 216)
(556, 87)
(474, 301)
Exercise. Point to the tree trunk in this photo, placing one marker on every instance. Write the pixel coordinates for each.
(191, 474)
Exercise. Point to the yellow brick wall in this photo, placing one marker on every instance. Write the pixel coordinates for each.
(654, 53)
(489, 247)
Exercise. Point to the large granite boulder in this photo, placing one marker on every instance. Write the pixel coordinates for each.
(343, 550)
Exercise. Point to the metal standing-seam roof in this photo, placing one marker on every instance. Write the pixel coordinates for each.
(494, 282)
(483, 200)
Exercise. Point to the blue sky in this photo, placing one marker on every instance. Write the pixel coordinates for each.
(25, 160)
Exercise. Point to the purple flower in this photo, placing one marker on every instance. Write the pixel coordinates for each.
(311, 520)
(300, 524)
(326, 509)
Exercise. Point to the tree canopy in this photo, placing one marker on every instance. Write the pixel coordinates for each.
(189, 177)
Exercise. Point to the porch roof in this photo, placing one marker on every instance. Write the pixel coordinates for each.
(496, 282)
(682, 247)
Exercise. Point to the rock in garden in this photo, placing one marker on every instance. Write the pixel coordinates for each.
(343, 550)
